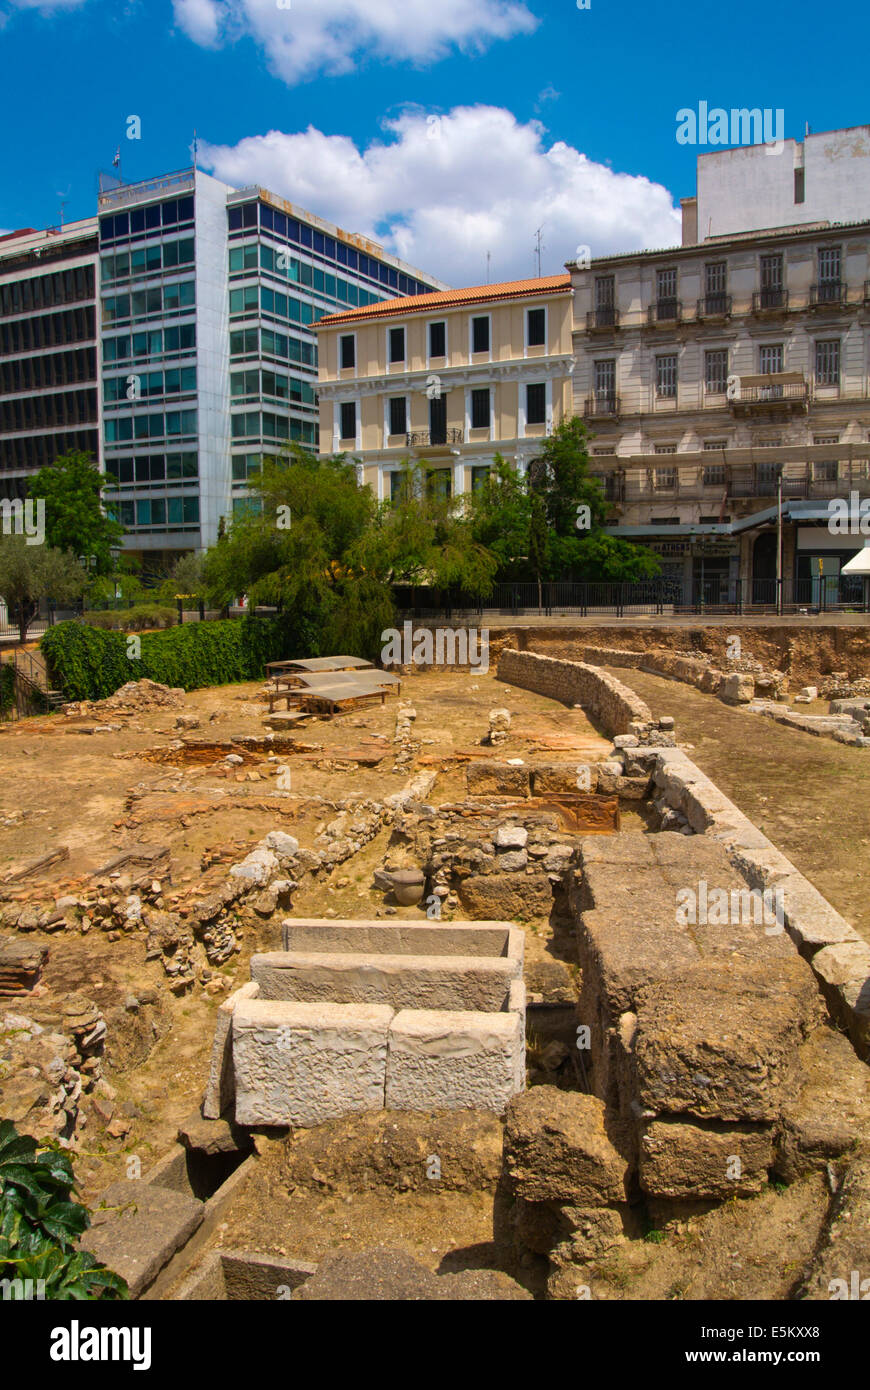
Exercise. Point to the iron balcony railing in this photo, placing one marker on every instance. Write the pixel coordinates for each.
(602, 405)
(665, 311)
(769, 301)
(829, 293)
(714, 306)
(423, 439)
(776, 391)
(602, 319)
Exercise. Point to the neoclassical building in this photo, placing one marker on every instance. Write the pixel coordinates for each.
(447, 379)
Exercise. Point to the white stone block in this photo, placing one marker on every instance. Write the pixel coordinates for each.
(303, 1064)
(455, 1060)
(219, 1091)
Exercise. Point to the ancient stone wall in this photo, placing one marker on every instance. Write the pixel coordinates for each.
(608, 703)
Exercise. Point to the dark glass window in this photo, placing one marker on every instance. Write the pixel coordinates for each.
(235, 219)
(398, 415)
(480, 334)
(480, 412)
(348, 420)
(536, 404)
(249, 215)
(348, 350)
(397, 344)
(267, 218)
(537, 327)
(438, 340)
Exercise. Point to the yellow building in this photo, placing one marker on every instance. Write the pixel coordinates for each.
(448, 379)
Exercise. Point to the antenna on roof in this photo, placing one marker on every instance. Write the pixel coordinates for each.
(538, 248)
(806, 128)
(488, 259)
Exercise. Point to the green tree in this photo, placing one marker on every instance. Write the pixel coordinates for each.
(561, 477)
(500, 516)
(30, 573)
(73, 488)
(539, 557)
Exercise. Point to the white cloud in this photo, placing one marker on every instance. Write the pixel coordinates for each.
(304, 37)
(441, 191)
(44, 6)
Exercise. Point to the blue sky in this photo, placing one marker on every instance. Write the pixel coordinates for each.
(448, 128)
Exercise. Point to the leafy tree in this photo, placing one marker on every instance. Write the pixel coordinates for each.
(500, 516)
(29, 573)
(425, 537)
(186, 577)
(561, 477)
(40, 1224)
(72, 487)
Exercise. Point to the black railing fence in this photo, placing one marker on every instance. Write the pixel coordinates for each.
(575, 598)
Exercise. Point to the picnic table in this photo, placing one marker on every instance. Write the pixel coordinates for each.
(293, 685)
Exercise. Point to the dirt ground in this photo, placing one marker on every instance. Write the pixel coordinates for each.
(63, 785)
(808, 795)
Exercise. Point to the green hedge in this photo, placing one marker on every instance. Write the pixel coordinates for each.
(87, 663)
(7, 685)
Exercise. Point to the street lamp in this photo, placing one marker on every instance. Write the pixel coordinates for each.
(115, 553)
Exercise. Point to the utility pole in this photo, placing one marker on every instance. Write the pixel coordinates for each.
(779, 541)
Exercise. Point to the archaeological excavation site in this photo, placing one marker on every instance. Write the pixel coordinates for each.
(545, 981)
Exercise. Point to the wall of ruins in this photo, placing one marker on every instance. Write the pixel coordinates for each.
(610, 704)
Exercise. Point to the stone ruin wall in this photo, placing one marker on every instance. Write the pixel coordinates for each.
(610, 704)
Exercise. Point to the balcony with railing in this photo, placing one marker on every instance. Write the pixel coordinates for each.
(720, 485)
(665, 312)
(602, 320)
(773, 300)
(829, 294)
(714, 306)
(600, 406)
(781, 392)
(433, 439)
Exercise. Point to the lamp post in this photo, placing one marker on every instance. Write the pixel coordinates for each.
(779, 540)
(115, 552)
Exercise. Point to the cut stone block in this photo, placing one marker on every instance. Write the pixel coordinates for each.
(302, 1064)
(320, 934)
(721, 1041)
(454, 1060)
(619, 958)
(220, 1088)
(143, 1231)
(828, 1115)
(700, 1162)
(556, 1149)
(517, 896)
(496, 779)
(400, 982)
(737, 689)
(844, 973)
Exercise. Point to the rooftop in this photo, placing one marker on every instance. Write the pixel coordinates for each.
(454, 299)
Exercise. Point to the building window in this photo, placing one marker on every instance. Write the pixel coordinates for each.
(799, 185)
(664, 448)
(666, 376)
(771, 272)
(605, 291)
(398, 415)
(536, 322)
(479, 477)
(438, 340)
(439, 482)
(666, 294)
(605, 379)
(480, 409)
(714, 475)
(399, 487)
(825, 470)
(664, 479)
(536, 404)
(770, 358)
(715, 273)
(480, 334)
(828, 362)
(829, 265)
(397, 345)
(348, 420)
(716, 371)
(348, 350)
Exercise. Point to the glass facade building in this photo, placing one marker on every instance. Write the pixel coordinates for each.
(208, 300)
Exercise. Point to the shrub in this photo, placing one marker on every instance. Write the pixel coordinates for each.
(40, 1225)
(88, 663)
(136, 619)
(7, 685)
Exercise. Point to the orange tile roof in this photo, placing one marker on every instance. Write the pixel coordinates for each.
(452, 299)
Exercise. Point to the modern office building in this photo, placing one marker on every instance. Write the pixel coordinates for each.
(49, 394)
(709, 370)
(447, 379)
(209, 297)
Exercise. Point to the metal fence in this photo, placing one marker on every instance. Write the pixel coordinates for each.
(651, 597)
